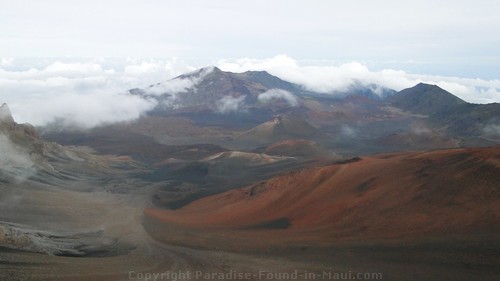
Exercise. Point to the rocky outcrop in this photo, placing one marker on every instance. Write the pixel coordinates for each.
(6, 115)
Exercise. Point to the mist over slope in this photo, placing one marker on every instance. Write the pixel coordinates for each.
(48, 193)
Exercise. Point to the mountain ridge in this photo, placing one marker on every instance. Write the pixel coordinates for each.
(210, 105)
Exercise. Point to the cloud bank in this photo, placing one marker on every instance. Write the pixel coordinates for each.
(82, 94)
(90, 92)
(332, 78)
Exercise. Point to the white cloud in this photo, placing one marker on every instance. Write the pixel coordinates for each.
(171, 87)
(331, 78)
(143, 67)
(278, 94)
(180, 84)
(88, 110)
(170, 90)
(315, 78)
(229, 104)
(6, 61)
(83, 94)
(74, 69)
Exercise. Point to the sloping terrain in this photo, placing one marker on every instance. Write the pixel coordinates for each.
(50, 195)
(67, 214)
(182, 182)
(393, 197)
(298, 148)
(412, 216)
(280, 128)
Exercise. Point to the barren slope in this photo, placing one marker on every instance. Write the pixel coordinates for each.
(403, 196)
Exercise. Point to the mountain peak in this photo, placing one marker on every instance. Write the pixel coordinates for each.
(200, 73)
(214, 90)
(426, 99)
(5, 114)
(425, 86)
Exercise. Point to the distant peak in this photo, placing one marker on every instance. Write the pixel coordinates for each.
(214, 68)
(5, 114)
(257, 72)
(209, 69)
(426, 99)
(200, 73)
(429, 89)
(425, 85)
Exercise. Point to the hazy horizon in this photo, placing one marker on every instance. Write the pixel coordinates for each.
(74, 60)
(92, 91)
(446, 38)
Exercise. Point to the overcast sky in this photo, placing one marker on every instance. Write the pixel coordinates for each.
(451, 38)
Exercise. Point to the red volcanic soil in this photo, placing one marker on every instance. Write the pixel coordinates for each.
(298, 148)
(391, 197)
